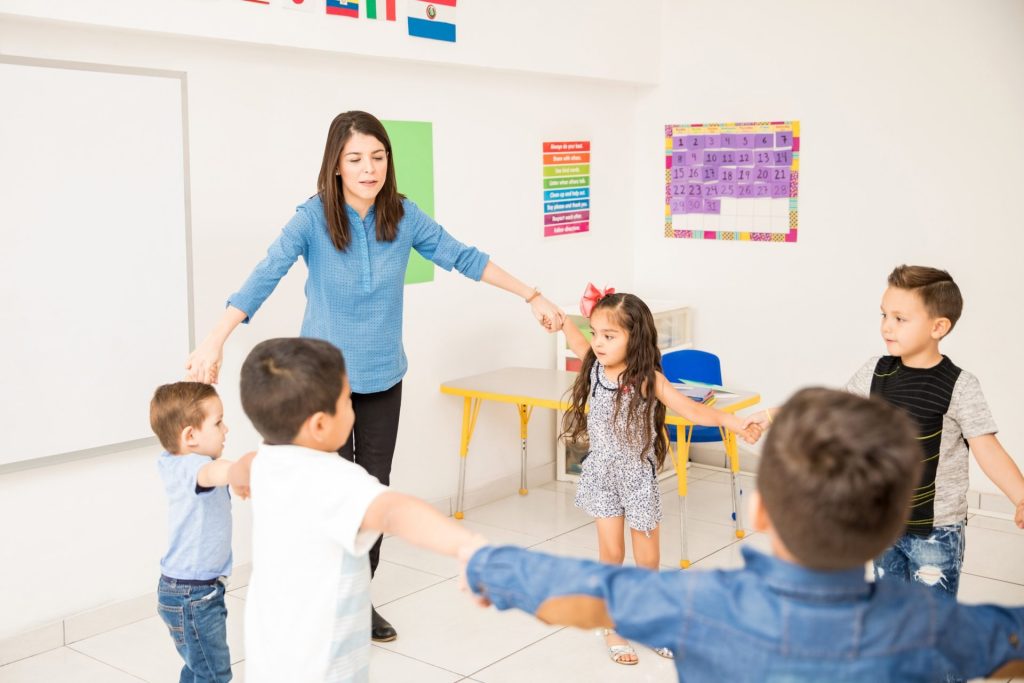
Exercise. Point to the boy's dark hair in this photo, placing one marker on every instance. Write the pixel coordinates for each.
(836, 476)
(177, 406)
(936, 288)
(284, 381)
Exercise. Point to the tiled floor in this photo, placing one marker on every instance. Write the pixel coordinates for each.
(444, 638)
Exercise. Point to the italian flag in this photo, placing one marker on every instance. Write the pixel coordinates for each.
(380, 9)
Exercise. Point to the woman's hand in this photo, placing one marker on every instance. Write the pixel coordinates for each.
(550, 316)
(203, 364)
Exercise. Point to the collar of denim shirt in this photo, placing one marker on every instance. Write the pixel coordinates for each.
(354, 215)
(802, 583)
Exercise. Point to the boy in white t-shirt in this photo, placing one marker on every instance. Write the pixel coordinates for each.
(315, 517)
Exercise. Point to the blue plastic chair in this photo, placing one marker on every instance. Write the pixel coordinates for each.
(697, 366)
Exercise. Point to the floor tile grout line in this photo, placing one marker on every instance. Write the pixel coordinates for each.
(515, 652)
(108, 664)
(976, 527)
(419, 661)
(419, 590)
(992, 578)
(417, 569)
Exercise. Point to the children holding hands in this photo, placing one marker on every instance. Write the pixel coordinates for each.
(843, 479)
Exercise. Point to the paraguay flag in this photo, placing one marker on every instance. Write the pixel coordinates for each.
(380, 9)
(343, 8)
(434, 19)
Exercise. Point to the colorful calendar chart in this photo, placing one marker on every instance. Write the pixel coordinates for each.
(566, 188)
(732, 181)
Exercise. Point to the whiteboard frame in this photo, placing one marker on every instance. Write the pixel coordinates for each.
(182, 77)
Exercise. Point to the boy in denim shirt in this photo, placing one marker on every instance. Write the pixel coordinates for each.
(188, 418)
(836, 477)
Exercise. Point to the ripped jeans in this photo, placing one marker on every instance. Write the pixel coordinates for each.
(934, 561)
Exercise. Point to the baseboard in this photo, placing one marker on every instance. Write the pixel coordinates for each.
(497, 489)
(89, 623)
(31, 642)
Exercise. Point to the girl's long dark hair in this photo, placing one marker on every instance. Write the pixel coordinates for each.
(645, 414)
(388, 203)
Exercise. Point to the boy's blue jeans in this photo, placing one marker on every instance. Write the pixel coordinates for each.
(197, 620)
(934, 561)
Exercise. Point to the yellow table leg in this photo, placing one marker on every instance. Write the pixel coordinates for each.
(525, 412)
(470, 410)
(732, 450)
(682, 458)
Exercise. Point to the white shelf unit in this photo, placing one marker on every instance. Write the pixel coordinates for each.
(673, 321)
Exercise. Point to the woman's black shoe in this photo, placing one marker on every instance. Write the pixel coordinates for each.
(380, 630)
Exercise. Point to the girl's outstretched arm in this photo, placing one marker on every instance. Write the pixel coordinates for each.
(700, 414)
(577, 342)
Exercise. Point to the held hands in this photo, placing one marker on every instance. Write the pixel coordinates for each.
(203, 364)
(238, 475)
(550, 316)
(1018, 516)
(746, 428)
(762, 418)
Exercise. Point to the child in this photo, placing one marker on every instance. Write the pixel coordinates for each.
(315, 517)
(620, 378)
(188, 418)
(919, 308)
(835, 481)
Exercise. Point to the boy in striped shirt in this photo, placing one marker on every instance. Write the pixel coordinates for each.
(919, 308)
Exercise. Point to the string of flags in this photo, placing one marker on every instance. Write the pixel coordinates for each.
(430, 19)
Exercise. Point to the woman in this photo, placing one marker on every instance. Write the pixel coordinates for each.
(355, 235)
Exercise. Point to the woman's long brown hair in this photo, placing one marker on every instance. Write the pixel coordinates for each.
(388, 202)
(645, 414)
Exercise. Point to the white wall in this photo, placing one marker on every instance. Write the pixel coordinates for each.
(911, 148)
(79, 535)
(580, 38)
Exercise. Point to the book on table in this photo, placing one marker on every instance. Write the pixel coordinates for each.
(697, 393)
(693, 389)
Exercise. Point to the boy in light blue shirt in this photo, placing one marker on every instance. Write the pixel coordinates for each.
(188, 418)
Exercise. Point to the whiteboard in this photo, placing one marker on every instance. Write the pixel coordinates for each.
(95, 273)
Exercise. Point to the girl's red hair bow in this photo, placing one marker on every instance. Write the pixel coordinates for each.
(591, 295)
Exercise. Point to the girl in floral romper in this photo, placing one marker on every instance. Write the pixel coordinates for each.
(621, 380)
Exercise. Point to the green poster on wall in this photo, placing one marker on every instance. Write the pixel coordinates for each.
(412, 143)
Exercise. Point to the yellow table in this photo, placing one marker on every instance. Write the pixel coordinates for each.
(528, 388)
